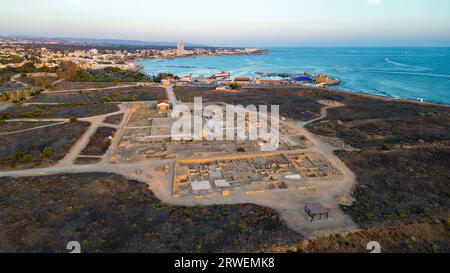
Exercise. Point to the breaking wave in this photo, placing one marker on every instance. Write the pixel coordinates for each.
(405, 65)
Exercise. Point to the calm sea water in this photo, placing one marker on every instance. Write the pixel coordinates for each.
(395, 72)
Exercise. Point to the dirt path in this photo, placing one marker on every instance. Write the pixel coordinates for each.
(81, 144)
(171, 95)
(4, 106)
(14, 79)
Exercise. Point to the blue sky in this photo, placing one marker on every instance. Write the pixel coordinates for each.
(236, 22)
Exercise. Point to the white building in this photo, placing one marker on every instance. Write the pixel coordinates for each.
(180, 48)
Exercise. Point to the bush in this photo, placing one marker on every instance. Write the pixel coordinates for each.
(73, 120)
(28, 157)
(47, 152)
(17, 155)
(241, 150)
(235, 86)
(386, 147)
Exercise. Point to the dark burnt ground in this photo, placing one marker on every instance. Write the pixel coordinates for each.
(99, 142)
(296, 103)
(9, 86)
(423, 237)
(403, 168)
(114, 119)
(20, 125)
(367, 122)
(107, 213)
(106, 95)
(65, 85)
(77, 110)
(26, 150)
(404, 185)
(87, 160)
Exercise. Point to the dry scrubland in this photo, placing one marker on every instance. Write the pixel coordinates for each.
(402, 167)
(9, 127)
(106, 95)
(66, 85)
(108, 213)
(114, 119)
(99, 143)
(64, 111)
(298, 104)
(27, 149)
(402, 193)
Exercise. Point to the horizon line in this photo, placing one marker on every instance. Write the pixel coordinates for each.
(201, 44)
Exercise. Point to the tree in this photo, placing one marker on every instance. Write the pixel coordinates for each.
(67, 70)
(28, 68)
(162, 76)
(28, 157)
(47, 152)
(235, 86)
(15, 59)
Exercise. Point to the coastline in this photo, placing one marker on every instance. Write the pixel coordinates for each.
(391, 96)
(381, 97)
(360, 94)
(259, 52)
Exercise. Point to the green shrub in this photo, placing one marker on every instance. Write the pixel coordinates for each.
(235, 86)
(28, 157)
(386, 147)
(17, 155)
(73, 120)
(47, 152)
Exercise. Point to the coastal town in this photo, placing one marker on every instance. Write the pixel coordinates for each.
(43, 53)
(19, 57)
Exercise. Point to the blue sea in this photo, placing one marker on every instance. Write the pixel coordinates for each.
(394, 72)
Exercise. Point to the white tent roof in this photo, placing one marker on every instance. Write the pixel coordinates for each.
(201, 186)
(221, 183)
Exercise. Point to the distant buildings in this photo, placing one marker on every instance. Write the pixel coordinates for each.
(325, 80)
(87, 57)
(242, 80)
(163, 106)
(180, 48)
